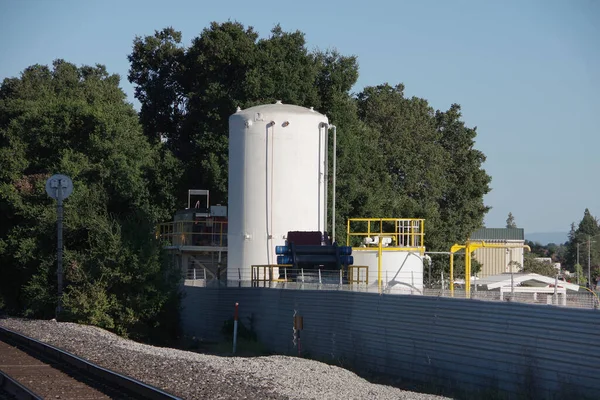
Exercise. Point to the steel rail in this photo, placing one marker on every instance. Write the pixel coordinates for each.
(16, 389)
(103, 374)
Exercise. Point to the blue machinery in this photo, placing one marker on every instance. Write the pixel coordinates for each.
(329, 257)
(302, 262)
(304, 258)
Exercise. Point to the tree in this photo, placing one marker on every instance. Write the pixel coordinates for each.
(76, 121)
(462, 207)
(580, 276)
(429, 160)
(414, 161)
(533, 266)
(586, 230)
(551, 250)
(510, 221)
(459, 266)
(396, 156)
(515, 266)
(229, 66)
(188, 94)
(157, 68)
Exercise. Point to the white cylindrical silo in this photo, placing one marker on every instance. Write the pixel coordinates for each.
(276, 181)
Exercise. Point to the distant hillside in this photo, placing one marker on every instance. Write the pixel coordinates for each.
(548, 237)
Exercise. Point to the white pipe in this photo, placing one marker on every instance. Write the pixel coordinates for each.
(320, 178)
(326, 129)
(272, 249)
(334, 180)
(269, 194)
(267, 159)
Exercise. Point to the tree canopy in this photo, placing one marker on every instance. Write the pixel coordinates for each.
(533, 266)
(187, 94)
(397, 156)
(584, 238)
(75, 120)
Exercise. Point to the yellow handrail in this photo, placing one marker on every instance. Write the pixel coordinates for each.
(209, 233)
(267, 277)
(403, 232)
(357, 268)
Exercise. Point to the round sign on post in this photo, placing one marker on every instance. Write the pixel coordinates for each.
(52, 185)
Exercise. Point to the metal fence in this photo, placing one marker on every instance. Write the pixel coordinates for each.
(481, 349)
(292, 279)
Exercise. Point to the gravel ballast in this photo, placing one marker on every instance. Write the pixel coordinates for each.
(192, 375)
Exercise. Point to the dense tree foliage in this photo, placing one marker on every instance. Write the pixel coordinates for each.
(431, 168)
(397, 156)
(188, 94)
(554, 251)
(583, 244)
(533, 266)
(76, 121)
(587, 229)
(585, 240)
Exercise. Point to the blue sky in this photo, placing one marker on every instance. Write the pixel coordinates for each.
(526, 73)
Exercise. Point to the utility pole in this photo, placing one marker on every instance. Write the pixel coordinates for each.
(512, 282)
(59, 187)
(430, 265)
(589, 262)
(578, 262)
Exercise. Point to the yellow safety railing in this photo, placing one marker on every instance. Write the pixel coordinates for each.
(358, 268)
(207, 233)
(267, 273)
(399, 232)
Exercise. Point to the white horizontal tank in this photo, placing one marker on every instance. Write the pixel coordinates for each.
(277, 156)
(401, 271)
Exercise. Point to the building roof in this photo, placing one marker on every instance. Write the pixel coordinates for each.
(503, 280)
(498, 234)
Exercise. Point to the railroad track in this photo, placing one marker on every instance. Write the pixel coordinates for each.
(30, 369)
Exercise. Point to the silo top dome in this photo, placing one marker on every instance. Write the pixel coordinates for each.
(278, 107)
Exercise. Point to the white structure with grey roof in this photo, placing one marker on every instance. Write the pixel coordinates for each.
(528, 283)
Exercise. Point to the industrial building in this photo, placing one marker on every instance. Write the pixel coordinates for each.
(496, 261)
(275, 227)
